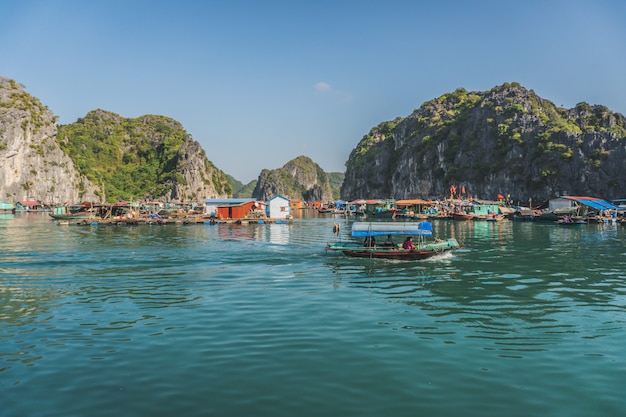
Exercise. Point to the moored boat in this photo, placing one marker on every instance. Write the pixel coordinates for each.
(568, 221)
(6, 207)
(461, 215)
(80, 211)
(369, 230)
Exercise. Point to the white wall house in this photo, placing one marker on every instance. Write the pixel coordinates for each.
(278, 208)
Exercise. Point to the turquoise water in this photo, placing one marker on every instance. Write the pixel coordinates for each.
(257, 320)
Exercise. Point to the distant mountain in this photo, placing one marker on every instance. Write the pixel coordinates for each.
(106, 157)
(300, 178)
(336, 180)
(101, 156)
(241, 190)
(507, 140)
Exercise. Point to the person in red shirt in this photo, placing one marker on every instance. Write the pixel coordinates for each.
(408, 243)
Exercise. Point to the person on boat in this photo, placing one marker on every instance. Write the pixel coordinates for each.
(408, 243)
(389, 242)
(369, 242)
(566, 219)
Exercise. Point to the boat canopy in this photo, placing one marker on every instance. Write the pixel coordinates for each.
(365, 229)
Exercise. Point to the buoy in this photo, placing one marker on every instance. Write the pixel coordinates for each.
(336, 228)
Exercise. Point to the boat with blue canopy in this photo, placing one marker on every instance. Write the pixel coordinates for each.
(421, 248)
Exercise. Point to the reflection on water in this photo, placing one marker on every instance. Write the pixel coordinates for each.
(516, 287)
(226, 316)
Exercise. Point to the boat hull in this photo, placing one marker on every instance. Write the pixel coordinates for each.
(461, 216)
(571, 223)
(86, 216)
(422, 252)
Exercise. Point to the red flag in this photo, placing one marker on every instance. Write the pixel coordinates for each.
(463, 189)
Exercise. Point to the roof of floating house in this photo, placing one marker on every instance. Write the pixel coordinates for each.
(29, 203)
(227, 201)
(596, 203)
(278, 196)
(413, 202)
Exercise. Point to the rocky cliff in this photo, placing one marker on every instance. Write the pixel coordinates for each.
(504, 141)
(102, 156)
(300, 178)
(149, 157)
(32, 166)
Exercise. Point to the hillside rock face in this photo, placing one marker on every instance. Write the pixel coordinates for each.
(145, 158)
(32, 165)
(504, 141)
(101, 157)
(201, 179)
(300, 178)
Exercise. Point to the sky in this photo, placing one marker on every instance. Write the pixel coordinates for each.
(258, 83)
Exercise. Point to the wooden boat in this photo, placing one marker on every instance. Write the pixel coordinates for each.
(570, 222)
(390, 213)
(460, 215)
(423, 249)
(85, 215)
(492, 217)
(82, 211)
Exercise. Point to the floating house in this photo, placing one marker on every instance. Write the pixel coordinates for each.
(297, 205)
(229, 208)
(414, 207)
(575, 206)
(357, 207)
(278, 208)
(6, 207)
(620, 203)
(29, 205)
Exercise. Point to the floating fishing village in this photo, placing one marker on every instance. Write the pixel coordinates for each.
(564, 210)
(340, 208)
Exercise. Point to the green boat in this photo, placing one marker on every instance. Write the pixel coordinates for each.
(423, 249)
(79, 211)
(6, 207)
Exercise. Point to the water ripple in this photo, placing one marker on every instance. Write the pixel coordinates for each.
(258, 319)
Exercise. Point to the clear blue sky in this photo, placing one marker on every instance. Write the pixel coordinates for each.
(259, 83)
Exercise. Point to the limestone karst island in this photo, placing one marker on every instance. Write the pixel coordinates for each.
(500, 154)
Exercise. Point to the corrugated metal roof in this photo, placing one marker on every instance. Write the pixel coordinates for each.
(215, 201)
(411, 202)
(596, 203)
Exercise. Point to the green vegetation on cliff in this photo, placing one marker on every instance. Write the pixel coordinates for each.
(136, 158)
(503, 140)
(300, 178)
(241, 190)
(21, 100)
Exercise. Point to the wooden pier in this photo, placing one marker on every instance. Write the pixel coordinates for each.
(167, 221)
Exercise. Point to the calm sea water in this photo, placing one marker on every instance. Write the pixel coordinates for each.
(257, 320)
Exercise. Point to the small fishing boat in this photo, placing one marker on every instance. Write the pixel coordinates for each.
(566, 221)
(461, 215)
(82, 211)
(370, 230)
